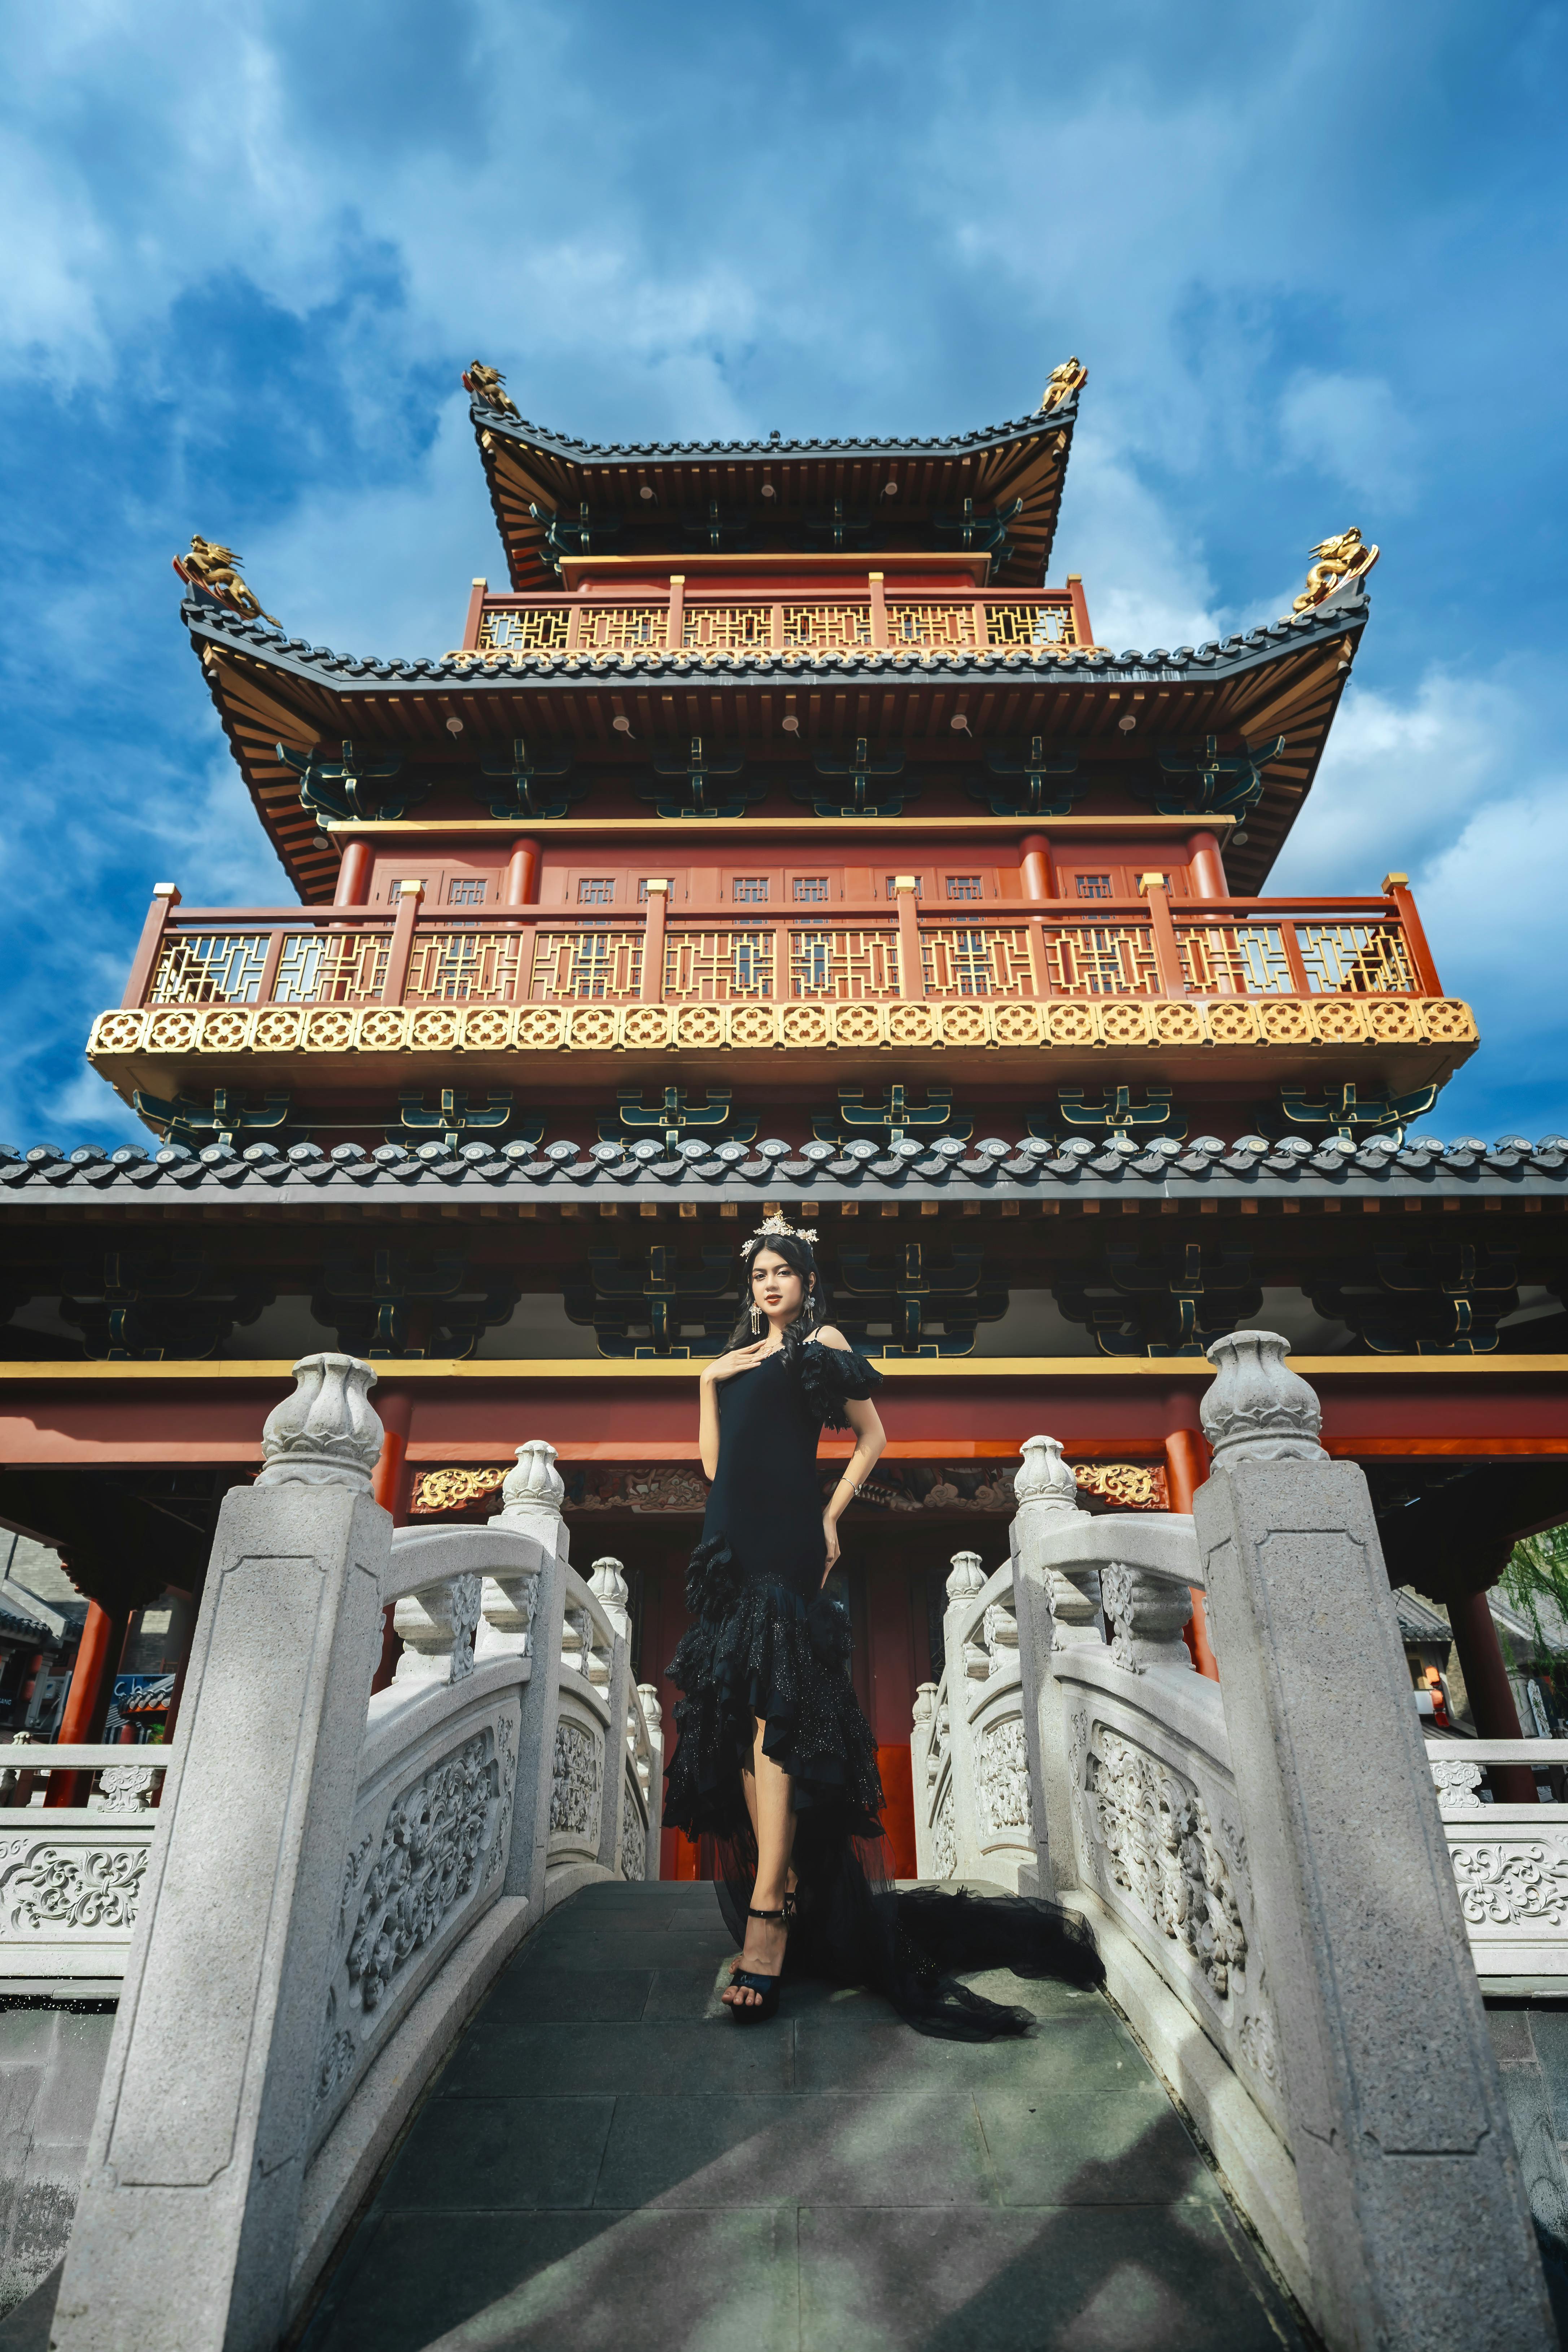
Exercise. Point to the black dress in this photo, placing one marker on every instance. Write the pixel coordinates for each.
(767, 1642)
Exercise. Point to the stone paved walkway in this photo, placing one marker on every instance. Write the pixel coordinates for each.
(606, 2160)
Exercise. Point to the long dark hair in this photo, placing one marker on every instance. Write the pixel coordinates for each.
(796, 1254)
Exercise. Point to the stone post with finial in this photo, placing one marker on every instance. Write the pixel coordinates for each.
(1418, 2230)
(1049, 1607)
(529, 1610)
(190, 2202)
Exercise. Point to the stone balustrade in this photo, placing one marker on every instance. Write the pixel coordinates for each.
(1262, 1858)
(1511, 1861)
(969, 1751)
(335, 1878)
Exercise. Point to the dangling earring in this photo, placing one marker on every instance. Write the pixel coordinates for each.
(757, 1319)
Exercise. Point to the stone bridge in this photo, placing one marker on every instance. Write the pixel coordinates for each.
(412, 2052)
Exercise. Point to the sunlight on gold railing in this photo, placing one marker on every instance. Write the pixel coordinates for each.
(579, 965)
(462, 967)
(977, 960)
(717, 967)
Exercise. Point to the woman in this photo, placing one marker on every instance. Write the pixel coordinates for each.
(774, 1760)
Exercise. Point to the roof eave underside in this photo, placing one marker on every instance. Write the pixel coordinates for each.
(1285, 679)
(1026, 459)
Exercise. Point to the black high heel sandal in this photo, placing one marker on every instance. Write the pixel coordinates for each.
(758, 2012)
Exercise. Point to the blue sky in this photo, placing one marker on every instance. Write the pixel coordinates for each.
(1313, 259)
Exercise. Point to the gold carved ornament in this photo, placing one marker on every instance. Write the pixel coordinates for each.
(450, 1490)
(1346, 557)
(1124, 1483)
(216, 569)
(486, 383)
(1062, 383)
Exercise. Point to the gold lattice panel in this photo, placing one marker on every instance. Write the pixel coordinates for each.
(933, 625)
(332, 967)
(461, 967)
(210, 968)
(621, 628)
(844, 964)
(538, 630)
(1030, 624)
(1102, 960)
(727, 628)
(977, 960)
(1240, 959)
(819, 629)
(723, 967)
(569, 966)
(1355, 958)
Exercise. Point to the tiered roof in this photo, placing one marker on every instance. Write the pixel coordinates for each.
(1283, 679)
(656, 496)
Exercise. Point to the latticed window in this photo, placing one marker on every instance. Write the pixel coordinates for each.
(465, 892)
(920, 887)
(812, 889)
(964, 885)
(751, 889)
(395, 892)
(597, 891)
(1094, 885)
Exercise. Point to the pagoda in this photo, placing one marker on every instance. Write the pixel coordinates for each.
(777, 839)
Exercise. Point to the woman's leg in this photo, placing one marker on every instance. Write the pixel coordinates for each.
(768, 1794)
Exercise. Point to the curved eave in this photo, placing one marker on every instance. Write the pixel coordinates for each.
(1286, 679)
(526, 465)
(1469, 1176)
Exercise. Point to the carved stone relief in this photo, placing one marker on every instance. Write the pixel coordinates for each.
(1456, 1788)
(1514, 1886)
(945, 1848)
(427, 1863)
(46, 1889)
(1161, 1853)
(465, 1607)
(577, 1791)
(126, 1789)
(634, 1837)
(1002, 1777)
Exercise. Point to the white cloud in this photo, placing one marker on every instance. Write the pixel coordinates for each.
(1352, 429)
(1397, 776)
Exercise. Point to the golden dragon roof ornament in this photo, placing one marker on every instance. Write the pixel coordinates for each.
(487, 383)
(1062, 383)
(216, 569)
(1345, 557)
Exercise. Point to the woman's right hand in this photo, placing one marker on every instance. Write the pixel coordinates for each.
(739, 1360)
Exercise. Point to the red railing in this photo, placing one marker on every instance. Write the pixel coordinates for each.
(690, 619)
(1149, 947)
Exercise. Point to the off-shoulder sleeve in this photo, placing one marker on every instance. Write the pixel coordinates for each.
(831, 1375)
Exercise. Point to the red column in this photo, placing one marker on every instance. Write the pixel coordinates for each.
(353, 876)
(86, 1701)
(1034, 866)
(391, 1486)
(1490, 1693)
(1206, 868)
(1186, 1468)
(521, 874)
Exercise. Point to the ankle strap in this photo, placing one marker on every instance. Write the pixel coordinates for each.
(786, 1912)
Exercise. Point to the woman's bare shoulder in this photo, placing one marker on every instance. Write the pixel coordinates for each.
(831, 1336)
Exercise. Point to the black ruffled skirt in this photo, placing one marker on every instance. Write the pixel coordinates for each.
(759, 1651)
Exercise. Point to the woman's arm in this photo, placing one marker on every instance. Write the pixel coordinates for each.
(870, 1437)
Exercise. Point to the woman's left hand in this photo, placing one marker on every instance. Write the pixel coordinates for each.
(830, 1537)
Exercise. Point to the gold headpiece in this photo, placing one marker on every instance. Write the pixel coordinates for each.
(774, 1229)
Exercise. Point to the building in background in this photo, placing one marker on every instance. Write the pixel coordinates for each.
(778, 839)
